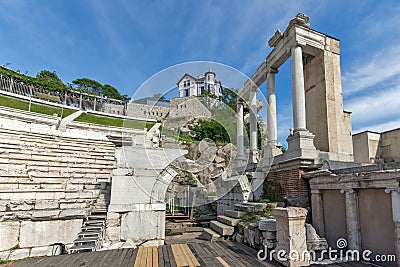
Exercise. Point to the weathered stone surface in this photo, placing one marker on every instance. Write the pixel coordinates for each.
(44, 233)
(19, 254)
(221, 228)
(9, 234)
(143, 225)
(239, 238)
(269, 235)
(291, 233)
(267, 225)
(241, 227)
(113, 234)
(72, 214)
(46, 204)
(210, 235)
(234, 214)
(4, 255)
(227, 220)
(38, 251)
(45, 215)
(314, 242)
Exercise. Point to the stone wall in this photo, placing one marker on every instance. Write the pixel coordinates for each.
(137, 110)
(49, 180)
(185, 109)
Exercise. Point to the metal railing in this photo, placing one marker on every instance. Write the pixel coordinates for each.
(75, 99)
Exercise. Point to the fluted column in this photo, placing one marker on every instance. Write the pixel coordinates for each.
(298, 93)
(253, 120)
(271, 109)
(239, 130)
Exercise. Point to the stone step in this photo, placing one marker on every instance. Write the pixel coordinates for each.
(90, 234)
(222, 229)
(82, 248)
(251, 207)
(94, 222)
(210, 235)
(97, 217)
(234, 213)
(228, 220)
(92, 228)
(98, 212)
(86, 240)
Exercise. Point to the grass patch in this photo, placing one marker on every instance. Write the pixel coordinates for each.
(181, 137)
(108, 121)
(251, 217)
(11, 102)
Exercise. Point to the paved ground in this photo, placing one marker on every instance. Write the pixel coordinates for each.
(221, 254)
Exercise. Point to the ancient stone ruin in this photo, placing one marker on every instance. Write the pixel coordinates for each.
(83, 182)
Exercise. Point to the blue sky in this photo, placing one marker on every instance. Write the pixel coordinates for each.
(124, 43)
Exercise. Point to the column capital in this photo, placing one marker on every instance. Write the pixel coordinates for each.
(389, 190)
(272, 71)
(253, 87)
(316, 191)
(347, 190)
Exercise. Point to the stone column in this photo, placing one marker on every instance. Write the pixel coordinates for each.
(395, 192)
(291, 236)
(80, 102)
(317, 209)
(298, 93)
(253, 123)
(271, 109)
(239, 130)
(352, 219)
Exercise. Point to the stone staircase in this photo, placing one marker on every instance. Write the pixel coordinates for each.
(224, 227)
(92, 233)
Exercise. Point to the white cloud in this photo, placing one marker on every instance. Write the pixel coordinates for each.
(383, 66)
(380, 127)
(382, 105)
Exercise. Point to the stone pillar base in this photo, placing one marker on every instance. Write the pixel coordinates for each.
(301, 144)
(291, 236)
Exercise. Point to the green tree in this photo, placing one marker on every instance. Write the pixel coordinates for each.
(229, 97)
(88, 85)
(213, 130)
(49, 76)
(112, 92)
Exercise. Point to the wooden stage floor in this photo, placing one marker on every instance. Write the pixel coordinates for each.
(221, 254)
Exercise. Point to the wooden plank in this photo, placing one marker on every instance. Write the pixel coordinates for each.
(166, 259)
(122, 258)
(230, 257)
(179, 259)
(160, 256)
(171, 256)
(138, 260)
(192, 258)
(155, 257)
(132, 258)
(204, 255)
(221, 260)
(149, 258)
